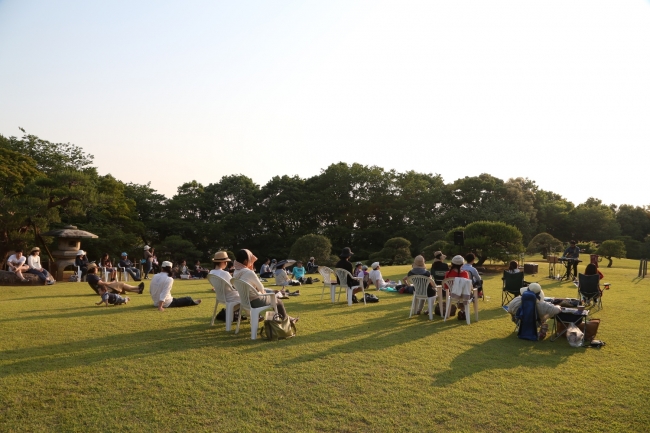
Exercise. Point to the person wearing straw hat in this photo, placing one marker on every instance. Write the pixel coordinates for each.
(161, 287)
(545, 310)
(16, 263)
(220, 261)
(96, 283)
(34, 263)
(81, 261)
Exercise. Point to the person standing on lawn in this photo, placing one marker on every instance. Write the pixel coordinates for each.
(161, 287)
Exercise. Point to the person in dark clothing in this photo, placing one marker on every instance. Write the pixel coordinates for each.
(81, 261)
(439, 268)
(344, 263)
(128, 267)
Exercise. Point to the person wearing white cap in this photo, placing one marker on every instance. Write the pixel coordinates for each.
(128, 267)
(148, 261)
(545, 310)
(311, 266)
(377, 279)
(161, 287)
(81, 261)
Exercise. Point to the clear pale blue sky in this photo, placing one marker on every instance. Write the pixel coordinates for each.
(167, 92)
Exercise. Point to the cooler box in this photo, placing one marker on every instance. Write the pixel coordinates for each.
(530, 268)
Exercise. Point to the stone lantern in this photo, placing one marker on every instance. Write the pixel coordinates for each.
(69, 243)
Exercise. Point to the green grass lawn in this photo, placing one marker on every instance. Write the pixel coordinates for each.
(68, 365)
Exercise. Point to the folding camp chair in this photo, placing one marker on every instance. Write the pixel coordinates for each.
(567, 319)
(589, 290)
(512, 284)
(527, 319)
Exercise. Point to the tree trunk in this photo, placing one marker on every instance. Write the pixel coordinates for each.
(609, 265)
(481, 260)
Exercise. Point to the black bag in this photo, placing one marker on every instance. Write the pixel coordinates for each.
(371, 298)
(309, 281)
(452, 309)
(221, 315)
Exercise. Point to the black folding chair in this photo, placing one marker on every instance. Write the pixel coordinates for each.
(589, 290)
(567, 319)
(512, 284)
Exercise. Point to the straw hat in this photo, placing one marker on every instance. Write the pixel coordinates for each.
(418, 262)
(35, 249)
(221, 256)
(439, 255)
(91, 266)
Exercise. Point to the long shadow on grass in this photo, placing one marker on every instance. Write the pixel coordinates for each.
(110, 349)
(503, 354)
(88, 310)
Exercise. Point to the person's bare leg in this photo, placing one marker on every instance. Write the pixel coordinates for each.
(120, 287)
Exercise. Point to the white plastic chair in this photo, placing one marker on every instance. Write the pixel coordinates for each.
(421, 284)
(449, 284)
(125, 275)
(243, 288)
(79, 274)
(329, 279)
(221, 289)
(343, 275)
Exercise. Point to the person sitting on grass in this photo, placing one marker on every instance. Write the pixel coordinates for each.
(312, 267)
(359, 273)
(161, 287)
(199, 271)
(95, 282)
(545, 310)
(16, 264)
(34, 263)
(299, 272)
(282, 279)
(184, 270)
(245, 271)
(110, 298)
(377, 279)
(265, 270)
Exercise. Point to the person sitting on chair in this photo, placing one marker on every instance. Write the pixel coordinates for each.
(128, 267)
(95, 282)
(572, 252)
(105, 262)
(311, 266)
(244, 270)
(545, 310)
(34, 263)
(221, 260)
(344, 263)
(439, 265)
(161, 287)
(16, 264)
(265, 270)
(81, 261)
(377, 279)
(591, 269)
(419, 268)
(513, 268)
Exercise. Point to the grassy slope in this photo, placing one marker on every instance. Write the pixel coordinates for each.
(66, 364)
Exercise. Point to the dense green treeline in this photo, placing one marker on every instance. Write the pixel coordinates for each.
(45, 185)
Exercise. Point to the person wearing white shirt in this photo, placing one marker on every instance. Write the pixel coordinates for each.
(16, 264)
(221, 260)
(34, 263)
(161, 287)
(377, 279)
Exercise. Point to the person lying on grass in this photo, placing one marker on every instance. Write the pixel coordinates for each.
(95, 282)
(110, 298)
(161, 288)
